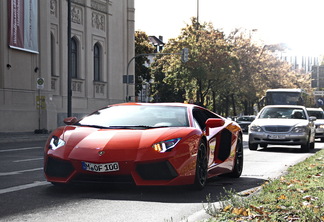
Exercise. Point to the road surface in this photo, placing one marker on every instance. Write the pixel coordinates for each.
(26, 196)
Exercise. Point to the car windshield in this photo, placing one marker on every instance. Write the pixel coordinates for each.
(134, 116)
(246, 118)
(280, 112)
(318, 114)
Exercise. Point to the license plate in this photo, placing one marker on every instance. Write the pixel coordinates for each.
(276, 137)
(102, 167)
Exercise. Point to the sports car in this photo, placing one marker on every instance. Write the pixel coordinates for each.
(145, 144)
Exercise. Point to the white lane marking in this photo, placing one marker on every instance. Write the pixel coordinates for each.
(19, 172)
(20, 149)
(23, 187)
(26, 160)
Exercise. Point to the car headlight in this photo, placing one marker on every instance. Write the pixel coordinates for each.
(56, 143)
(166, 145)
(255, 128)
(320, 126)
(299, 129)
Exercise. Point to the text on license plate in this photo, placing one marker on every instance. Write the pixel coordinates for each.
(276, 137)
(100, 167)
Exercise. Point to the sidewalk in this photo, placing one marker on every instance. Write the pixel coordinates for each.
(21, 137)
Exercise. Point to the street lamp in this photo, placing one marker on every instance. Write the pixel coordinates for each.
(69, 82)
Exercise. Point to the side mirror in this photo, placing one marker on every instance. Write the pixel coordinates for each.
(312, 118)
(212, 123)
(70, 120)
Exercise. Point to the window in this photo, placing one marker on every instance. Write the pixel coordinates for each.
(201, 116)
(52, 54)
(97, 62)
(74, 59)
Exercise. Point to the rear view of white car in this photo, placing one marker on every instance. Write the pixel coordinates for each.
(282, 125)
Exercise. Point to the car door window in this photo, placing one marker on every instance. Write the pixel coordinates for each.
(201, 117)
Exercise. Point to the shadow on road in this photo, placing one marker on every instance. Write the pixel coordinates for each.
(175, 194)
(50, 196)
(281, 149)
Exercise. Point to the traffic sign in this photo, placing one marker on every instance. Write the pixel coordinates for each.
(40, 83)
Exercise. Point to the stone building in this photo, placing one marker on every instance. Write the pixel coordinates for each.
(33, 72)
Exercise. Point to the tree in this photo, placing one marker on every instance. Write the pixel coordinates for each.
(142, 71)
(227, 74)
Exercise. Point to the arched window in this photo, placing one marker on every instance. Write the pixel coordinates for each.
(96, 62)
(52, 54)
(74, 58)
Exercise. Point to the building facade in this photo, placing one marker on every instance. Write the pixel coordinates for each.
(33, 83)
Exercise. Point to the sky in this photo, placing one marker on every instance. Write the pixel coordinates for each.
(296, 23)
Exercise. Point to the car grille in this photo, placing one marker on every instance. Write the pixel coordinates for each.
(58, 168)
(156, 171)
(278, 129)
(103, 178)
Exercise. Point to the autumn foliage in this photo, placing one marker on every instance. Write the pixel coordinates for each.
(228, 74)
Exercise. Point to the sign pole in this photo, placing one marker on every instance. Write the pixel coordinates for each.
(69, 82)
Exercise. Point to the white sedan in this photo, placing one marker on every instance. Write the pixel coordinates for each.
(282, 125)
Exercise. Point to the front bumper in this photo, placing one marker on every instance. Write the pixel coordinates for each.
(63, 171)
(278, 138)
(319, 132)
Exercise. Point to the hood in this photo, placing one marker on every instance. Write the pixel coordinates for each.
(319, 121)
(84, 143)
(280, 122)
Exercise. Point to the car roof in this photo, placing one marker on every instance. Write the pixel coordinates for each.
(157, 104)
(285, 106)
(314, 109)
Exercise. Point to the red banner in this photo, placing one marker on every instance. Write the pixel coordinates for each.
(23, 25)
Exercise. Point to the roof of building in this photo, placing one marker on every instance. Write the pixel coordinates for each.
(156, 41)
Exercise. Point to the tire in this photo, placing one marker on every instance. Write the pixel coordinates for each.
(312, 145)
(238, 162)
(305, 147)
(201, 167)
(253, 146)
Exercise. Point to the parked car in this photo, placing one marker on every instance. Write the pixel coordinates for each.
(282, 125)
(245, 121)
(319, 122)
(146, 144)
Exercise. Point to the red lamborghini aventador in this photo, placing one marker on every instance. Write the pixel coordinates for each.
(146, 144)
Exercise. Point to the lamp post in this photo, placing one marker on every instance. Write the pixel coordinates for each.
(69, 81)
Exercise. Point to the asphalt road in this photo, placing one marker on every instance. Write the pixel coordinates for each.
(26, 196)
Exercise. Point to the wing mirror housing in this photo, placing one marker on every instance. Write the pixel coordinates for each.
(70, 120)
(213, 123)
(312, 118)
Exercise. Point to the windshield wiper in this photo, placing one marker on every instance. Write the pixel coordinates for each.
(94, 126)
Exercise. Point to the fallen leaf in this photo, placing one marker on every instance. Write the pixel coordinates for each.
(282, 197)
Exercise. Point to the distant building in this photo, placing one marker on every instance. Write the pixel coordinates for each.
(302, 64)
(158, 45)
(144, 94)
(318, 78)
(34, 59)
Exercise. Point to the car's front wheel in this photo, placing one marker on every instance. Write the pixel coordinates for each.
(305, 147)
(201, 167)
(312, 145)
(253, 146)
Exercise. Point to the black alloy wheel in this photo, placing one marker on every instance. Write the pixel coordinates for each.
(201, 167)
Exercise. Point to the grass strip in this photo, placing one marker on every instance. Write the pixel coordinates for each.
(295, 196)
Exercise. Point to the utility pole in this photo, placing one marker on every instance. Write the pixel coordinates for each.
(69, 82)
(197, 27)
